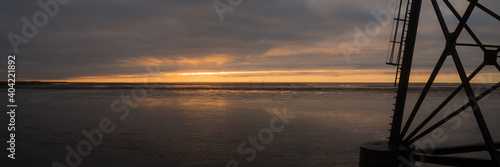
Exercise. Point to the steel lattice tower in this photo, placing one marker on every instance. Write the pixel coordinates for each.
(399, 150)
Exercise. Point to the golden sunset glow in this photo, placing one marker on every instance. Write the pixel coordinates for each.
(216, 73)
(280, 76)
(266, 46)
(278, 83)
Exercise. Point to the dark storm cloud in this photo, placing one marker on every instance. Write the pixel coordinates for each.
(95, 38)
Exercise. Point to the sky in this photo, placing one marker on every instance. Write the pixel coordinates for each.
(237, 41)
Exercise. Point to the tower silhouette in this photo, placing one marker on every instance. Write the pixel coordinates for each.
(399, 150)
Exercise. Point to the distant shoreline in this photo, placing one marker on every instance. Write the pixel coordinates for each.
(229, 86)
(211, 83)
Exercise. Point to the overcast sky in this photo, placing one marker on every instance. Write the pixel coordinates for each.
(259, 40)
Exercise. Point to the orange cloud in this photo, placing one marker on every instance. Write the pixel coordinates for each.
(150, 61)
(282, 76)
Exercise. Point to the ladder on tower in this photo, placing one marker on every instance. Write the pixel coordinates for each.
(398, 36)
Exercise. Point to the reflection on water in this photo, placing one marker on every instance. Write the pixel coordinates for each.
(210, 125)
(205, 127)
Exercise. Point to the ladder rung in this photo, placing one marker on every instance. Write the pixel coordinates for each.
(390, 63)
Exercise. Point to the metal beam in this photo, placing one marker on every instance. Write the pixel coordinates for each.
(453, 114)
(395, 136)
(442, 105)
(491, 13)
(469, 30)
(426, 89)
(450, 42)
(466, 44)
